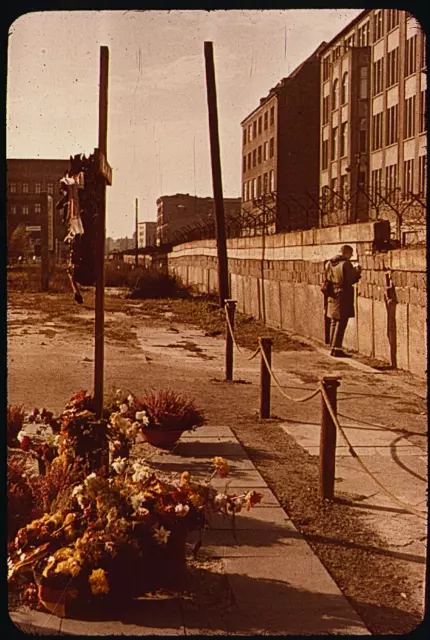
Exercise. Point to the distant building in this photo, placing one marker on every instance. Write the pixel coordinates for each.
(373, 119)
(280, 148)
(26, 179)
(178, 212)
(147, 234)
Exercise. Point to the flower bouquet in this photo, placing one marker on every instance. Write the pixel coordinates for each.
(122, 536)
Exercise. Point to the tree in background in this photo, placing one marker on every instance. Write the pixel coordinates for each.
(19, 242)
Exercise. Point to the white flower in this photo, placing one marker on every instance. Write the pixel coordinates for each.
(81, 501)
(130, 399)
(22, 557)
(141, 511)
(21, 435)
(119, 393)
(120, 465)
(141, 472)
(142, 417)
(220, 500)
(57, 441)
(90, 478)
(181, 510)
(123, 408)
(136, 500)
(77, 490)
(161, 535)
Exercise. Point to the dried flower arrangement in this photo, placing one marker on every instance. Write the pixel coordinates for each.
(122, 535)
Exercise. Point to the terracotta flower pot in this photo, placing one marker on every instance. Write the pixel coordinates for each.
(159, 438)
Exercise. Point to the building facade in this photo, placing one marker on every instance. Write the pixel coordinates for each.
(373, 151)
(147, 234)
(27, 179)
(177, 213)
(280, 142)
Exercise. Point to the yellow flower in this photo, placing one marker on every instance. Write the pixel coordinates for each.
(222, 467)
(98, 582)
(161, 535)
(185, 477)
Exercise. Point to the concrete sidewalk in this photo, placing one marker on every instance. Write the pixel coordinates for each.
(280, 587)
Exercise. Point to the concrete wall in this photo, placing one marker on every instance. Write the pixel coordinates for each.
(277, 279)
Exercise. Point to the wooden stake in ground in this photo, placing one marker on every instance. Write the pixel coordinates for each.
(101, 234)
(136, 259)
(223, 283)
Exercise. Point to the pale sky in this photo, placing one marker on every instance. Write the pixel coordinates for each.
(158, 137)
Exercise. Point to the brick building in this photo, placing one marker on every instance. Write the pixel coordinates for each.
(147, 234)
(280, 158)
(373, 120)
(26, 180)
(176, 213)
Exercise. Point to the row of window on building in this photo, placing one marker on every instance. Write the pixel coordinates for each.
(339, 144)
(25, 209)
(391, 178)
(30, 187)
(259, 155)
(363, 40)
(259, 125)
(392, 122)
(259, 186)
(339, 187)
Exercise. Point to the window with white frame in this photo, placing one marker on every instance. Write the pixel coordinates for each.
(408, 177)
(376, 182)
(25, 210)
(272, 116)
(344, 97)
(25, 187)
(409, 117)
(13, 209)
(364, 35)
(343, 139)
(324, 154)
(37, 208)
(423, 111)
(422, 175)
(272, 181)
(272, 147)
(265, 151)
(334, 143)
(260, 154)
(378, 76)
(390, 180)
(12, 187)
(50, 188)
(411, 56)
(392, 118)
(260, 124)
(325, 109)
(244, 135)
(363, 82)
(37, 187)
(250, 132)
(266, 119)
(377, 131)
(335, 95)
(378, 25)
(326, 68)
(393, 19)
(392, 67)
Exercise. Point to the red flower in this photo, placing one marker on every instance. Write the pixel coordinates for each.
(25, 443)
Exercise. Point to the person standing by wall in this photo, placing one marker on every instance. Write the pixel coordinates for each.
(341, 276)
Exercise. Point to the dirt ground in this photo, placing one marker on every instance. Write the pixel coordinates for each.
(179, 344)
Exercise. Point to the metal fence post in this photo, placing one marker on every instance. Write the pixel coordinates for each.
(266, 348)
(230, 308)
(328, 438)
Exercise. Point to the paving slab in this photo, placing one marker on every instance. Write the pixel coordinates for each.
(208, 431)
(216, 446)
(292, 595)
(35, 622)
(262, 518)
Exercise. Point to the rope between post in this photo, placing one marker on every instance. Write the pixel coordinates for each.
(230, 328)
(406, 507)
(275, 380)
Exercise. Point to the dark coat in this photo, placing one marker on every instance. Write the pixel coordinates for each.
(343, 275)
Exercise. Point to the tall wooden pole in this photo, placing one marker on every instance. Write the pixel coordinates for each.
(137, 230)
(223, 283)
(101, 238)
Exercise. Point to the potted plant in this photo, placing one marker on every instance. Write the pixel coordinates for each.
(164, 415)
